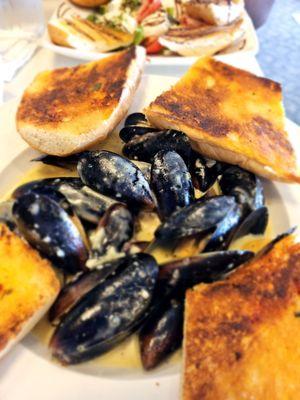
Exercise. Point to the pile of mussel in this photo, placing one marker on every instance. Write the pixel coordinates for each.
(86, 227)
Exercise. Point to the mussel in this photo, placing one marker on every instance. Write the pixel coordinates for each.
(201, 217)
(68, 162)
(225, 230)
(171, 182)
(144, 148)
(114, 230)
(187, 272)
(254, 224)
(129, 132)
(50, 229)
(204, 171)
(117, 177)
(137, 118)
(244, 186)
(162, 333)
(108, 313)
(82, 283)
(88, 204)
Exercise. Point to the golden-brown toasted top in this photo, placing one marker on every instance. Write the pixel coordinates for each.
(232, 109)
(27, 283)
(241, 334)
(66, 95)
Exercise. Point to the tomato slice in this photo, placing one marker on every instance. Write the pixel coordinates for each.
(152, 45)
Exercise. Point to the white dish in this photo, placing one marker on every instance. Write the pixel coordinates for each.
(251, 48)
(27, 372)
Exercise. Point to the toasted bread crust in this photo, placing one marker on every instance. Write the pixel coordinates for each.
(241, 333)
(28, 287)
(70, 109)
(230, 109)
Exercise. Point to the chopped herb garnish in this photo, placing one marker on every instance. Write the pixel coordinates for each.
(97, 86)
(170, 11)
(92, 18)
(101, 10)
(138, 35)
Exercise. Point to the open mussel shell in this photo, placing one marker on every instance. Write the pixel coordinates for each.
(204, 171)
(187, 272)
(115, 229)
(244, 186)
(108, 313)
(137, 118)
(74, 290)
(129, 132)
(171, 183)
(162, 333)
(268, 247)
(144, 148)
(201, 217)
(51, 230)
(6, 214)
(88, 204)
(68, 162)
(254, 224)
(225, 229)
(115, 176)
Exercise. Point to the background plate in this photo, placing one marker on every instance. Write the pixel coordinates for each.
(26, 372)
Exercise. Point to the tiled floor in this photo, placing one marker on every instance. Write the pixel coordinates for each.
(279, 54)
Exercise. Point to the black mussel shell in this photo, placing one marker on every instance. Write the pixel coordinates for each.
(188, 272)
(74, 290)
(6, 215)
(162, 333)
(145, 168)
(254, 224)
(115, 176)
(144, 148)
(244, 186)
(129, 132)
(171, 183)
(201, 217)
(204, 171)
(108, 313)
(268, 247)
(68, 162)
(88, 204)
(136, 119)
(222, 236)
(48, 228)
(115, 229)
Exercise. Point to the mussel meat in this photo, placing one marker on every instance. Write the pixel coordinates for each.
(201, 217)
(48, 227)
(244, 186)
(144, 148)
(162, 333)
(117, 177)
(115, 229)
(108, 313)
(171, 183)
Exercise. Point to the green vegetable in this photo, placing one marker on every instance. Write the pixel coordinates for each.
(138, 35)
(170, 11)
(101, 10)
(92, 18)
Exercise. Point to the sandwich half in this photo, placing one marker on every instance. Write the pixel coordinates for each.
(242, 334)
(28, 287)
(230, 115)
(67, 110)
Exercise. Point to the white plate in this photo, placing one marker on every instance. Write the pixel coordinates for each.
(26, 372)
(251, 48)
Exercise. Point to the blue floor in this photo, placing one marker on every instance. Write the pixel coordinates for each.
(279, 54)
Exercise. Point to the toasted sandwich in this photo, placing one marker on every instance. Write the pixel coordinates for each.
(68, 110)
(28, 287)
(242, 333)
(204, 40)
(215, 12)
(82, 34)
(230, 115)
